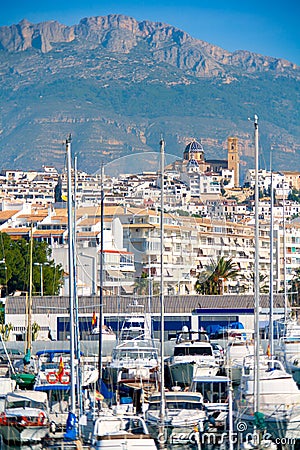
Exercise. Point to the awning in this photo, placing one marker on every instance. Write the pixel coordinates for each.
(115, 274)
(128, 289)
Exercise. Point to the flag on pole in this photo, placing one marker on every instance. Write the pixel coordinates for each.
(269, 351)
(98, 396)
(61, 367)
(94, 320)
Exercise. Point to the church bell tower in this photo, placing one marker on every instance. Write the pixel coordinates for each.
(233, 159)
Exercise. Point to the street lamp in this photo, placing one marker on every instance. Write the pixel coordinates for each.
(41, 275)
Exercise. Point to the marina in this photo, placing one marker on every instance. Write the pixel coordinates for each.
(138, 382)
(204, 425)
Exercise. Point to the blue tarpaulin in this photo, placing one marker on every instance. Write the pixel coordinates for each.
(105, 391)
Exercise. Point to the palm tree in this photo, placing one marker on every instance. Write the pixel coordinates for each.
(223, 270)
(249, 283)
(295, 287)
(141, 286)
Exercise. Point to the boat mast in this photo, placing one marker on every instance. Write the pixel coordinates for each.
(29, 310)
(100, 362)
(162, 325)
(256, 274)
(72, 431)
(271, 331)
(76, 305)
(284, 253)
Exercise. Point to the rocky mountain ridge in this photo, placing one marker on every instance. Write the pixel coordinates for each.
(117, 84)
(118, 33)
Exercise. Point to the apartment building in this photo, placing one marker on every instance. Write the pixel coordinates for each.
(132, 245)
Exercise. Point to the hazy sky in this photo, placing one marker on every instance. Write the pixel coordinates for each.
(271, 28)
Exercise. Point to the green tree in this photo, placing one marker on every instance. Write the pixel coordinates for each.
(248, 283)
(295, 287)
(5, 330)
(15, 269)
(294, 195)
(141, 286)
(213, 281)
(35, 330)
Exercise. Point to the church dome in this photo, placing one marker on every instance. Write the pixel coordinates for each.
(193, 147)
(194, 150)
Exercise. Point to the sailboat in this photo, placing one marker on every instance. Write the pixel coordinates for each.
(72, 428)
(279, 399)
(288, 348)
(268, 398)
(110, 428)
(24, 373)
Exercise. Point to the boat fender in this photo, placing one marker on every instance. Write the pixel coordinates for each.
(64, 378)
(53, 427)
(52, 377)
(3, 419)
(41, 418)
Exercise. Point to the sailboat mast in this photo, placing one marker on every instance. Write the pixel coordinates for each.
(29, 317)
(76, 305)
(256, 274)
(162, 312)
(284, 253)
(100, 361)
(271, 330)
(71, 276)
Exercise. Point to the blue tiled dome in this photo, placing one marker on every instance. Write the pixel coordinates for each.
(193, 147)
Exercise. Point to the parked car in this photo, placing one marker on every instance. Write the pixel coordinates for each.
(13, 354)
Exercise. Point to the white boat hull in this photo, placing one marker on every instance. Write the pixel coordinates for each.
(25, 417)
(234, 373)
(122, 432)
(22, 434)
(126, 442)
(281, 426)
(182, 373)
(174, 434)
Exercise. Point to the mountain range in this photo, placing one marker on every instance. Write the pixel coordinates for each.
(118, 85)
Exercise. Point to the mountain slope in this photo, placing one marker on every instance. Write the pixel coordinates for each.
(117, 84)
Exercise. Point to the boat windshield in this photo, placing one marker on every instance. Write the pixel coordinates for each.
(136, 354)
(53, 366)
(214, 392)
(171, 405)
(24, 404)
(186, 351)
